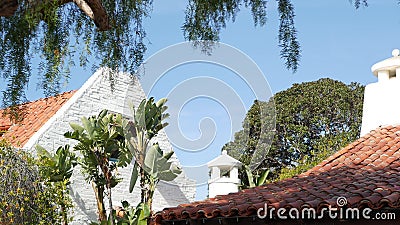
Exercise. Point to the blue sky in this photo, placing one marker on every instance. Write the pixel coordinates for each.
(337, 41)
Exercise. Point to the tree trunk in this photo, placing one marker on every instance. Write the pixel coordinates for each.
(150, 200)
(8, 7)
(110, 203)
(108, 176)
(64, 215)
(92, 8)
(143, 189)
(95, 10)
(99, 193)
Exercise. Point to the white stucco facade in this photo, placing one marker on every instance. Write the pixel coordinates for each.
(95, 95)
(380, 99)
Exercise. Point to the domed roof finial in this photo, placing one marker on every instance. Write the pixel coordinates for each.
(388, 66)
(395, 52)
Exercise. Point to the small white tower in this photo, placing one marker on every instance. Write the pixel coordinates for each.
(381, 99)
(224, 177)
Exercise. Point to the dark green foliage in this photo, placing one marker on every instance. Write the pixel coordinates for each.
(205, 19)
(25, 196)
(59, 33)
(251, 145)
(59, 167)
(358, 3)
(135, 215)
(304, 164)
(312, 117)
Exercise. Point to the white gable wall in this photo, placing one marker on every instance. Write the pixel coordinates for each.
(94, 96)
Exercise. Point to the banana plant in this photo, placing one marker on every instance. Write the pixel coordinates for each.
(60, 165)
(255, 180)
(135, 215)
(158, 167)
(151, 164)
(58, 168)
(101, 138)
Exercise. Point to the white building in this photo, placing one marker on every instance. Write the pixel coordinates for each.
(381, 106)
(224, 178)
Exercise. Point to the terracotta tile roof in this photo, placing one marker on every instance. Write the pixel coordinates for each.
(366, 173)
(37, 113)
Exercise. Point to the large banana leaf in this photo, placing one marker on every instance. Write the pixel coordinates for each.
(158, 166)
(134, 178)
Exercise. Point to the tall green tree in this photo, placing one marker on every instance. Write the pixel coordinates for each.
(311, 118)
(101, 139)
(151, 163)
(62, 31)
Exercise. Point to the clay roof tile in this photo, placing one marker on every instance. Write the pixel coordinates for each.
(37, 113)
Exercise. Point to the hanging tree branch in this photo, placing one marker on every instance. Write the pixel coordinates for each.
(92, 8)
(112, 31)
(95, 11)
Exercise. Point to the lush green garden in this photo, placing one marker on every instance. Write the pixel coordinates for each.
(34, 190)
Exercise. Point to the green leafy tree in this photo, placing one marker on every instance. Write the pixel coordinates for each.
(304, 164)
(101, 138)
(57, 169)
(156, 167)
(312, 118)
(251, 144)
(67, 32)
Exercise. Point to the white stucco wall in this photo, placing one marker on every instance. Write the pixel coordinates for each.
(380, 105)
(380, 98)
(223, 186)
(94, 96)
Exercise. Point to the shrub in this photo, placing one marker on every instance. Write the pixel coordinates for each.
(25, 197)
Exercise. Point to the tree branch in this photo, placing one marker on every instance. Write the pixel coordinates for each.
(95, 11)
(92, 8)
(8, 7)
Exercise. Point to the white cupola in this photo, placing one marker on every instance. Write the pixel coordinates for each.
(224, 177)
(381, 99)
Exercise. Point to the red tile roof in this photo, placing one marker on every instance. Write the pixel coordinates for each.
(37, 113)
(366, 173)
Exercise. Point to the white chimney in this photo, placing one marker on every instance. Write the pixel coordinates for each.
(382, 99)
(224, 177)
